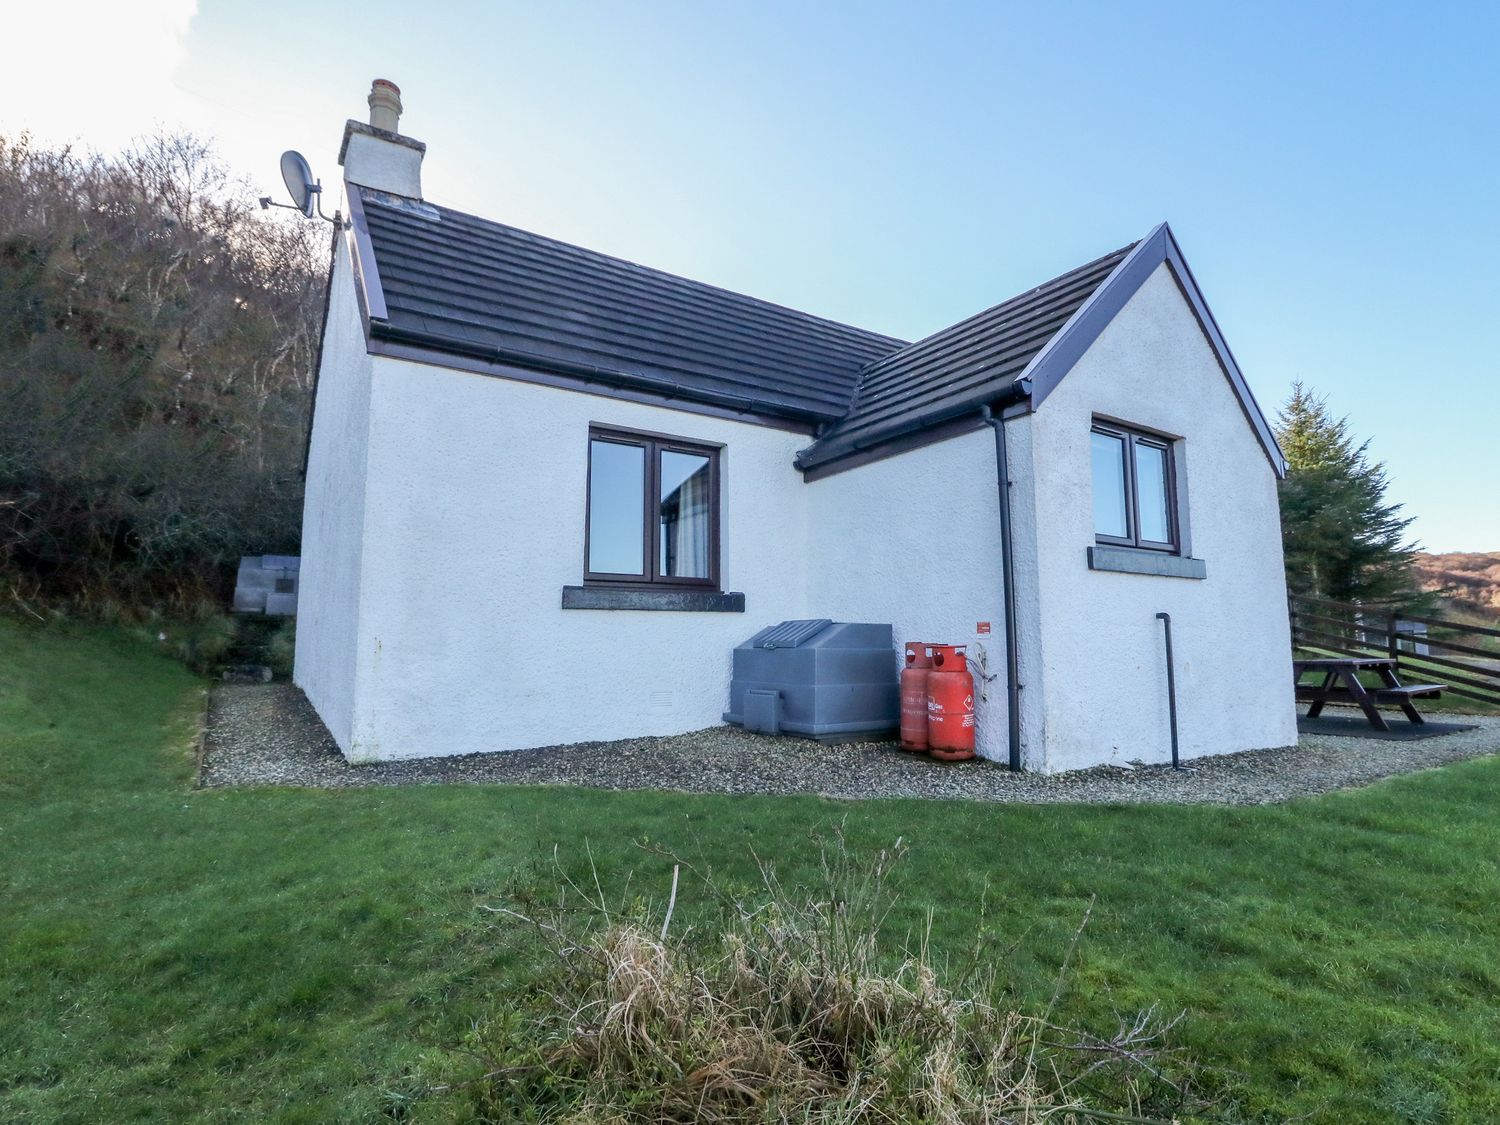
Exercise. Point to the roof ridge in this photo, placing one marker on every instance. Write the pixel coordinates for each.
(982, 313)
(959, 367)
(652, 271)
(542, 273)
(874, 366)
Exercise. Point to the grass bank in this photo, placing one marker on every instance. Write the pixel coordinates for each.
(292, 955)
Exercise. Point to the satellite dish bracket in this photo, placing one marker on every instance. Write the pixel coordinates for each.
(315, 206)
(306, 193)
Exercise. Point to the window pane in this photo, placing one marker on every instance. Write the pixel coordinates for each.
(617, 497)
(684, 515)
(1151, 488)
(1109, 486)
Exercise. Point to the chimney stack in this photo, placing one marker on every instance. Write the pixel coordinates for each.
(376, 155)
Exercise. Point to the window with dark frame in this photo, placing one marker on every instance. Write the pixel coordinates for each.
(1134, 488)
(653, 511)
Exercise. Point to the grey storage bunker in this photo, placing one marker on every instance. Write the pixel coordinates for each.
(820, 678)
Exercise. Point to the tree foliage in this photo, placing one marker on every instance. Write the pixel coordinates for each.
(1342, 539)
(157, 338)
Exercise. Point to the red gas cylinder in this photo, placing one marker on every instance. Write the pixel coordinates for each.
(914, 697)
(950, 704)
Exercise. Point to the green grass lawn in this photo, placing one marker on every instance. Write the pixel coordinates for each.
(290, 955)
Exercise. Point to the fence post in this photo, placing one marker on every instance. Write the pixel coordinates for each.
(1393, 641)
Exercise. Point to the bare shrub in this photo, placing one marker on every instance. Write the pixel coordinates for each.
(798, 1011)
(157, 338)
(202, 640)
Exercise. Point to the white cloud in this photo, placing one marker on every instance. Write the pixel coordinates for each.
(100, 71)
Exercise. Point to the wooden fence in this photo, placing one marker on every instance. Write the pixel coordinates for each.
(1464, 657)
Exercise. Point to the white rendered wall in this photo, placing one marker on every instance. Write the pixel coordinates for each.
(430, 608)
(333, 515)
(1101, 693)
(474, 524)
(915, 540)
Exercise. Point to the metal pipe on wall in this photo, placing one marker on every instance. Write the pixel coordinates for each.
(1166, 620)
(1008, 582)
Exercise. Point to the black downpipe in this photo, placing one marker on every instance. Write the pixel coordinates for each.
(1166, 620)
(1008, 580)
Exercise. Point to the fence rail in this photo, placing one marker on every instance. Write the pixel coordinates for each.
(1468, 660)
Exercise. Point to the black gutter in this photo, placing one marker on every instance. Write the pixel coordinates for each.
(537, 377)
(588, 373)
(1008, 581)
(839, 448)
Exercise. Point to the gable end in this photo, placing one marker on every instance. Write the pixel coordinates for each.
(1057, 358)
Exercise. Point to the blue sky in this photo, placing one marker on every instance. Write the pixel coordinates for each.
(1331, 170)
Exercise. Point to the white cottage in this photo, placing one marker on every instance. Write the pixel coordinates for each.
(548, 491)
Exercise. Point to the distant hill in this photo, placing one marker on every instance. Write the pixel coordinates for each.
(1471, 581)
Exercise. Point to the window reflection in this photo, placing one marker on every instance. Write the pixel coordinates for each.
(617, 490)
(1151, 492)
(684, 515)
(1109, 486)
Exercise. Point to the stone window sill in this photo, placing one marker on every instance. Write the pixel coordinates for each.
(679, 601)
(1131, 560)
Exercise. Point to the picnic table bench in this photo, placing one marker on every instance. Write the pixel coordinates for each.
(1341, 684)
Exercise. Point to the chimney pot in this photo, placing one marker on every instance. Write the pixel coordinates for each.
(385, 105)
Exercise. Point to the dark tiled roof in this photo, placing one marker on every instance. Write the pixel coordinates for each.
(457, 283)
(956, 370)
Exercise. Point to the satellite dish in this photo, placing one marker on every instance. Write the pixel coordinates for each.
(299, 181)
(305, 191)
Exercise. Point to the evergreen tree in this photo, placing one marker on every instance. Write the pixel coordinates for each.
(1342, 539)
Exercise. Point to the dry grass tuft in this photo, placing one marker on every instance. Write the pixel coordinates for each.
(797, 1012)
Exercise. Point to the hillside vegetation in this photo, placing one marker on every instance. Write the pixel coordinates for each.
(1470, 582)
(158, 332)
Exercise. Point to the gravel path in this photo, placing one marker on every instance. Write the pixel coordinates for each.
(268, 734)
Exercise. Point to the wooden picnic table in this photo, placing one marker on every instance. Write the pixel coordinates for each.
(1341, 684)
